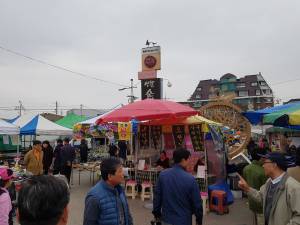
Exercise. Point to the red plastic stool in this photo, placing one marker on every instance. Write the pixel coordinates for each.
(218, 202)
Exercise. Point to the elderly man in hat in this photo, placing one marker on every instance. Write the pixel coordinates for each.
(280, 194)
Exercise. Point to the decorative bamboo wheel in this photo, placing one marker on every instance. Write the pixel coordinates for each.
(230, 116)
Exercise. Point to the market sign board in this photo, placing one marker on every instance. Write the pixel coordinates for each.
(151, 58)
(152, 88)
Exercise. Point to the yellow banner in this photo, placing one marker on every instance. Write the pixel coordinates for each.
(124, 131)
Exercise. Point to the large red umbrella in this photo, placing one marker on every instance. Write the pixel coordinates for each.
(148, 109)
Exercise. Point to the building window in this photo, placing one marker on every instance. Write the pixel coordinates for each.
(197, 96)
(267, 91)
(263, 83)
(258, 100)
(243, 93)
(253, 84)
(199, 89)
(240, 85)
(257, 92)
(268, 100)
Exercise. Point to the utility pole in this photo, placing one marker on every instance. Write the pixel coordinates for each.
(56, 108)
(81, 106)
(131, 96)
(131, 91)
(20, 108)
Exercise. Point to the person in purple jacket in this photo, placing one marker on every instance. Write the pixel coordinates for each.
(5, 201)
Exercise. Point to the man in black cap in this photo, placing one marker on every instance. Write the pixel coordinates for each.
(280, 195)
(67, 156)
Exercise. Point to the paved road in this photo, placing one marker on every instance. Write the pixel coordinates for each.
(239, 213)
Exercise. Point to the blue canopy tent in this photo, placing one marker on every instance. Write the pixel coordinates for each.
(39, 125)
(256, 117)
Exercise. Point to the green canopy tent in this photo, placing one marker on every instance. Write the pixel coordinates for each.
(70, 120)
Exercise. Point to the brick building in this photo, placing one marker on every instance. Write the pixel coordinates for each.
(252, 91)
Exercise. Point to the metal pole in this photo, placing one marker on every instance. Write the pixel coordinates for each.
(81, 106)
(56, 108)
(131, 91)
(20, 108)
(18, 146)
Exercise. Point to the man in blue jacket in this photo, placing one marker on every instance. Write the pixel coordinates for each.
(105, 203)
(177, 195)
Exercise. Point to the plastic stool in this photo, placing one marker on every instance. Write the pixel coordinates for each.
(130, 189)
(146, 190)
(218, 202)
(204, 197)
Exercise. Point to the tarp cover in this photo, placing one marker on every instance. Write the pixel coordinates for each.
(256, 117)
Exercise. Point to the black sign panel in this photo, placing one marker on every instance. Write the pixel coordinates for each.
(196, 137)
(178, 134)
(156, 132)
(144, 137)
(152, 88)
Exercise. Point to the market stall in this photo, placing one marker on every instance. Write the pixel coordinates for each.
(9, 136)
(163, 125)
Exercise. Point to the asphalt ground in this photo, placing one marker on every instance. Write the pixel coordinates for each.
(239, 214)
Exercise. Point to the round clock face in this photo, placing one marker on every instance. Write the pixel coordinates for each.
(150, 61)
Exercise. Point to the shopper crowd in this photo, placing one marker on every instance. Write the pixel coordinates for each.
(273, 189)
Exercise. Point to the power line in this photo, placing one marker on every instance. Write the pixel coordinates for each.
(283, 82)
(60, 67)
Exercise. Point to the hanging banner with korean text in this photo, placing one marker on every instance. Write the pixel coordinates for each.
(178, 134)
(156, 132)
(196, 137)
(144, 137)
(124, 131)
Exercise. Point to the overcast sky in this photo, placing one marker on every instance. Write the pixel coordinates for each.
(199, 40)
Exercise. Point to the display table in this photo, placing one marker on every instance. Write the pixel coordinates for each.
(91, 167)
(140, 176)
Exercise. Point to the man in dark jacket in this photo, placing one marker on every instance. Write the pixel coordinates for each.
(67, 156)
(48, 156)
(83, 147)
(56, 157)
(106, 203)
(177, 195)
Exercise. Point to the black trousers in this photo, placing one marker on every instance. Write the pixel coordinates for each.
(66, 170)
(46, 170)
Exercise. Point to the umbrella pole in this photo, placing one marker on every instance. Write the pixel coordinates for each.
(206, 163)
(18, 146)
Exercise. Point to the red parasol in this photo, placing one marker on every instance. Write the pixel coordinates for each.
(148, 109)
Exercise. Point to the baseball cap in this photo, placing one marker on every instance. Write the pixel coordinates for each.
(278, 158)
(6, 174)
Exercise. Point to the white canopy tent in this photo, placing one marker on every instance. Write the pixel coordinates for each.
(94, 119)
(38, 125)
(8, 128)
